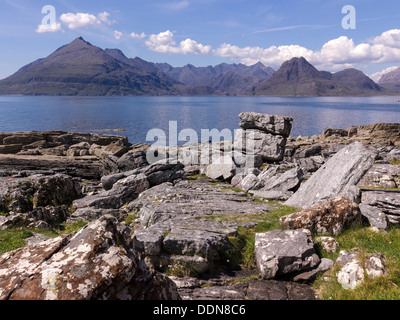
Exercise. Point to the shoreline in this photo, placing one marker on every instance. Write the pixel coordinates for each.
(186, 223)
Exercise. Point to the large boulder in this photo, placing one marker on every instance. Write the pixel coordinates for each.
(283, 252)
(98, 262)
(332, 216)
(339, 176)
(277, 125)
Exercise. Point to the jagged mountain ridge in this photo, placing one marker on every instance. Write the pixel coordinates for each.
(80, 68)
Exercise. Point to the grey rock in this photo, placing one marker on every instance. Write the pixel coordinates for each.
(375, 265)
(387, 202)
(375, 216)
(283, 252)
(277, 125)
(338, 176)
(258, 143)
(325, 265)
(109, 180)
(328, 244)
(222, 168)
(381, 176)
(345, 257)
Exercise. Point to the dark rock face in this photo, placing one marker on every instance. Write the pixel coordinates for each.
(97, 263)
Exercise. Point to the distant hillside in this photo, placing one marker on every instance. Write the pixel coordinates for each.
(80, 68)
(297, 77)
(391, 81)
(235, 79)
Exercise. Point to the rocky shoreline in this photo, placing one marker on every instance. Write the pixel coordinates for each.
(169, 229)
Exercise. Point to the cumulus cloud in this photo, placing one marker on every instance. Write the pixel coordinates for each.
(118, 34)
(53, 27)
(390, 38)
(164, 42)
(138, 35)
(334, 55)
(83, 20)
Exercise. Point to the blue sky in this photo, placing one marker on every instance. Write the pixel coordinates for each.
(208, 32)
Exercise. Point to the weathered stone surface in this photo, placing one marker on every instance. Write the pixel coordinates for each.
(351, 275)
(381, 176)
(112, 199)
(375, 265)
(91, 214)
(24, 194)
(222, 168)
(325, 265)
(98, 262)
(337, 177)
(375, 216)
(274, 124)
(256, 142)
(283, 252)
(282, 184)
(387, 202)
(332, 216)
(328, 244)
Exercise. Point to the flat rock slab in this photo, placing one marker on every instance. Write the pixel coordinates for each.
(337, 177)
(282, 252)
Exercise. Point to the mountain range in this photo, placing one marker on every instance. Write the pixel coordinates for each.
(80, 68)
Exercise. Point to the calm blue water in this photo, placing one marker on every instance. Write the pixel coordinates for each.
(138, 115)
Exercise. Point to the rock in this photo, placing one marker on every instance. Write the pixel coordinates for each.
(272, 194)
(138, 182)
(337, 177)
(221, 168)
(111, 199)
(277, 125)
(381, 176)
(196, 242)
(388, 202)
(259, 143)
(309, 152)
(10, 149)
(98, 262)
(283, 252)
(345, 257)
(132, 160)
(375, 216)
(91, 214)
(325, 265)
(334, 132)
(333, 217)
(108, 181)
(375, 265)
(284, 183)
(351, 275)
(328, 244)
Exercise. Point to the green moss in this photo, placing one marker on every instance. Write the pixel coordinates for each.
(395, 161)
(13, 239)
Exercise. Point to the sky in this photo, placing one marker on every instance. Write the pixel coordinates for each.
(331, 34)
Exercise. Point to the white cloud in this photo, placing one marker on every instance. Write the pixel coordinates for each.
(83, 20)
(118, 34)
(390, 38)
(378, 75)
(164, 42)
(54, 27)
(138, 35)
(334, 55)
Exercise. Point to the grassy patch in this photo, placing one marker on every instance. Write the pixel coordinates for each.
(13, 239)
(367, 242)
(244, 241)
(395, 162)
